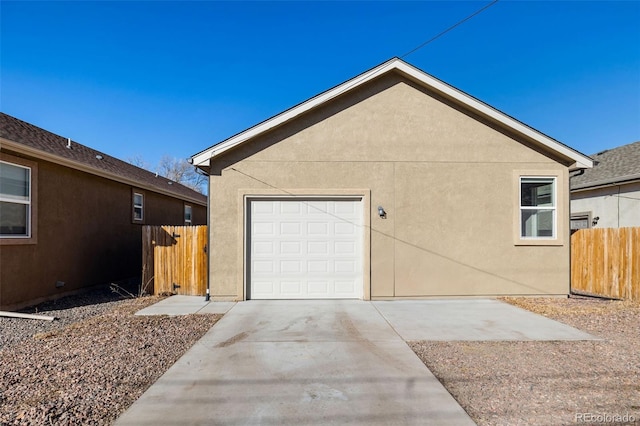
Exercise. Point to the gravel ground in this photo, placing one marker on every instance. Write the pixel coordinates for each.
(90, 365)
(548, 383)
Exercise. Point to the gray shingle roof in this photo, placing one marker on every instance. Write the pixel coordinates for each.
(613, 165)
(34, 137)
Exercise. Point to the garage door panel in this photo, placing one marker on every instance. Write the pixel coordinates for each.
(317, 266)
(263, 266)
(291, 288)
(263, 209)
(263, 229)
(348, 266)
(318, 228)
(344, 247)
(263, 287)
(290, 247)
(264, 248)
(317, 247)
(290, 208)
(314, 248)
(290, 266)
(290, 228)
(318, 287)
(344, 287)
(345, 228)
(316, 208)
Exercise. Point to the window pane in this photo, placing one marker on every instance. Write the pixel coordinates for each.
(537, 223)
(137, 213)
(187, 213)
(14, 182)
(14, 219)
(137, 199)
(536, 192)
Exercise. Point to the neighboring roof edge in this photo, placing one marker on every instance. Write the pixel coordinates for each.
(18, 147)
(619, 180)
(580, 160)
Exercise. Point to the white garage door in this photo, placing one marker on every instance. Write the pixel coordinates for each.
(305, 249)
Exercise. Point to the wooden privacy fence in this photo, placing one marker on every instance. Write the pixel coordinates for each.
(606, 262)
(174, 259)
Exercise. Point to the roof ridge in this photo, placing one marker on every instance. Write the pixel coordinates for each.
(203, 158)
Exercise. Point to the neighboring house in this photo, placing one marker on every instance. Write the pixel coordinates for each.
(608, 195)
(70, 216)
(390, 185)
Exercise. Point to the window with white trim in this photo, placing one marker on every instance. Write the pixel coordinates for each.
(187, 214)
(15, 200)
(138, 207)
(538, 208)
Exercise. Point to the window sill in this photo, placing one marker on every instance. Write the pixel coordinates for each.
(18, 241)
(539, 242)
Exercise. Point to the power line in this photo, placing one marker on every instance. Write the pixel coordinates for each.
(450, 28)
(408, 243)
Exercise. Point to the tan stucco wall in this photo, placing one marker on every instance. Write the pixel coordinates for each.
(85, 235)
(445, 180)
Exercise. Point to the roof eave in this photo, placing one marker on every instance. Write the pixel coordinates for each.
(24, 149)
(619, 180)
(578, 160)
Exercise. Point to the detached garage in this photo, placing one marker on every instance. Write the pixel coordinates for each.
(390, 185)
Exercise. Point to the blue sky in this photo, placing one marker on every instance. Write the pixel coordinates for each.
(161, 78)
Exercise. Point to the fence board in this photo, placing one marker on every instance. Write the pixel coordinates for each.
(177, 256)
(606, 262)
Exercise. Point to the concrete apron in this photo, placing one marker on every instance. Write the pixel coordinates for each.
(298, 362)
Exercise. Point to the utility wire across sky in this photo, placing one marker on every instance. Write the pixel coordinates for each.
(477, 12)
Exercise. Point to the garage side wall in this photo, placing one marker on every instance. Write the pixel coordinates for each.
(448, 182)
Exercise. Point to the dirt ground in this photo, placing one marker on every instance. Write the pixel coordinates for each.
(91, 364)
(553, 382)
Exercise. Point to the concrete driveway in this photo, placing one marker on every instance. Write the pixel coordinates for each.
(325, 362)
(298, 363)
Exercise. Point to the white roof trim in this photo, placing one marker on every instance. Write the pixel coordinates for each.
(580, 161)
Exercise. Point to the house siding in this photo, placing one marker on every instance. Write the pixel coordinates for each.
(445, 179)
(86, 235)
(616, 206)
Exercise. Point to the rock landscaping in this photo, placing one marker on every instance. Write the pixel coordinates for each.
(91, 364)
(548, 383)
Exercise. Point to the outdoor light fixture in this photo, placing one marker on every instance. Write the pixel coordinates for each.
(381, 212)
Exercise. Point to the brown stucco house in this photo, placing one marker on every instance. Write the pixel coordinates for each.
(71, 217)
(391, 185)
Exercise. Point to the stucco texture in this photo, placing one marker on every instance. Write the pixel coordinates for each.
(446, 178)
(85, 235)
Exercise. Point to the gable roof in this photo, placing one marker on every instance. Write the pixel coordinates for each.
(579, 161)
(26, 138)
(617, 165)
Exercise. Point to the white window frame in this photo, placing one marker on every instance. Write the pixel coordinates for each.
(28, 203)
(139, 206)
(190, 209)
(553, 208)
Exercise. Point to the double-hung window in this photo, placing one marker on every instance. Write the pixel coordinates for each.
(15, 200)
(138, 207)
(187, 214)
(538, 208)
